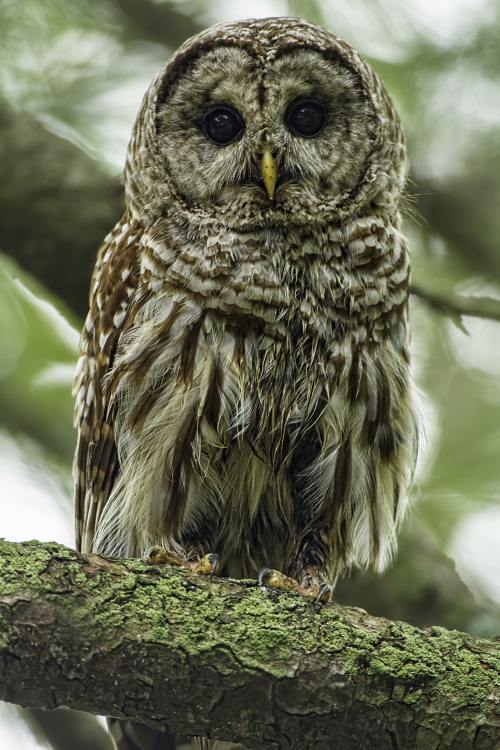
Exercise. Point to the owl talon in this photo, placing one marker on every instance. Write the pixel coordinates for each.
(154, 556)
(324, 594)
(264, 573)
(313, 585)
(269, 578)
(206, 565)
(160, 556)
(215, 564)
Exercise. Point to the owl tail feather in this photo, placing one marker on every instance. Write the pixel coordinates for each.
(128, 735)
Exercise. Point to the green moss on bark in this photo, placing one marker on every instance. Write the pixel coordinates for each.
(158, 644)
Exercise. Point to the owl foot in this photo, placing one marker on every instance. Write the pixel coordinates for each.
(206, 565)
(311, 587)
(160, 556)
(315, 585)
(275, 580)
(325, 593)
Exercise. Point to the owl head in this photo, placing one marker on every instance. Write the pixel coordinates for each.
(264, 123)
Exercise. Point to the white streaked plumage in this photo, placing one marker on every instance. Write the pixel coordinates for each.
(244, 384)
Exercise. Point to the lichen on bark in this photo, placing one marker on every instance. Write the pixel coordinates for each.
(229, 660)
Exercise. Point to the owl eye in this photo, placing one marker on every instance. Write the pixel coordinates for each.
(223, 124)
(305, 117)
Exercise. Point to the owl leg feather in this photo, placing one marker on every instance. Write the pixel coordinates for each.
(307, 566)
(311, 561)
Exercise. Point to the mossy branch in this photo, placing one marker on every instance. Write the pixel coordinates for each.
(224, 659)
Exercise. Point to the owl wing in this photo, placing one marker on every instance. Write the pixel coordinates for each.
(96, 465)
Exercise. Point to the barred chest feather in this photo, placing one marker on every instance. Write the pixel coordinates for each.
(260, 378)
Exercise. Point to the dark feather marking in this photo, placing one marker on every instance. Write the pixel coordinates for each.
(90, 516)
(383, 412)
(302, 445)
(143, 407)
(188, 351)
(139, 367)
(343, 473)
(363, 387)
(342, 546)
(181, 459)
(374, 525)
(354, 376)
(396, 497)
(396, 266)
(239, 349)
(370, 262)
(211, 410)
(388, 441)
(101, 455)
(146, 402)
(80, 469)
(341, 480)
(111, 474)
(340, 491)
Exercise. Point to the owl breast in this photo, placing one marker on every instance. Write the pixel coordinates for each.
(262, 377)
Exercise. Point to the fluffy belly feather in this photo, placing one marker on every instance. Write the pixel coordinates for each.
(229, 440)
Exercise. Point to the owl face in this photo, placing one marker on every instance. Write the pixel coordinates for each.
(263, 123)
(261, 142)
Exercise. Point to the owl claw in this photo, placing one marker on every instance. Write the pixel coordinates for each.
(314, 585)
(324, 593)
(269, 578)
(320, 592)
(153, 556)
(206, 565)
(264, 573)
(160, 556)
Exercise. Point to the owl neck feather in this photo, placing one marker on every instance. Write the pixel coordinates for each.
(336, 282)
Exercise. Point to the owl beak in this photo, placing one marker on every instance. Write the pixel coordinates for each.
(268, 172)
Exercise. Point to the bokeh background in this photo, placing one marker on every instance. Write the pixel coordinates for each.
(72, 75)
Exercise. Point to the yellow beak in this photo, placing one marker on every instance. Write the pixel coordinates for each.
(268, 172)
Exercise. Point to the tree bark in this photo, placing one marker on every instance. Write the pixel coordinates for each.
(228, 660)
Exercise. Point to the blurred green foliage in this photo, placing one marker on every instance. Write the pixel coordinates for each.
(38, 348)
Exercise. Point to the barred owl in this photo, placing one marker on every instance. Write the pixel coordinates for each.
(244, 400)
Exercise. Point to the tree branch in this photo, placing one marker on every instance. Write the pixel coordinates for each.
(225, 659)
(458, 304)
